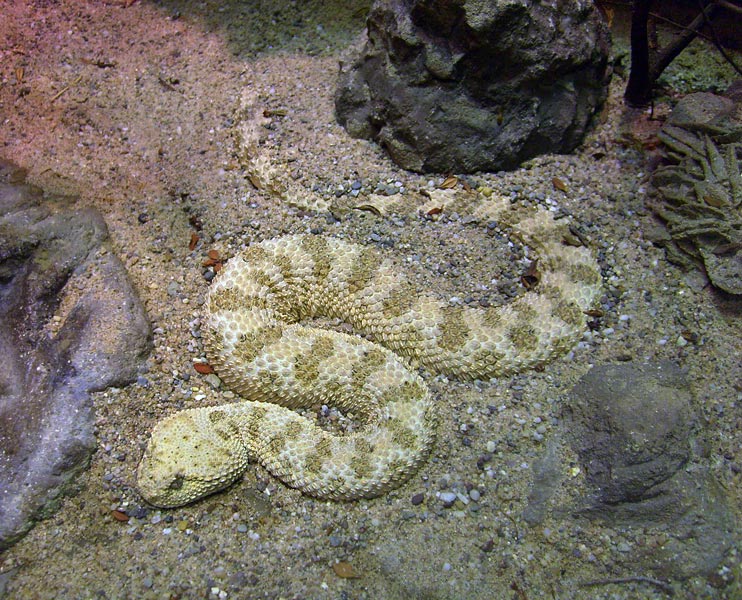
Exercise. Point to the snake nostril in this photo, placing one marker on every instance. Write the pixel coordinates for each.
(176, 483)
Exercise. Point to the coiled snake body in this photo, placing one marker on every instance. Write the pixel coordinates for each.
(256, 343)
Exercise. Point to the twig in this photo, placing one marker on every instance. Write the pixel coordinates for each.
(728, 5)
(659, 584)
(666, 56)
(717, 42)
(65, 88)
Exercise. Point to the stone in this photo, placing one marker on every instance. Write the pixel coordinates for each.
(639, 447)
(72, 325)
(467, 85)
(630, 428)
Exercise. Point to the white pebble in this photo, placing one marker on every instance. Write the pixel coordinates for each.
(448, 497)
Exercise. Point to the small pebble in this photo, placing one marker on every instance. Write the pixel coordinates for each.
(213, 380)
(448, 498)
(417, 499)
(139, 513)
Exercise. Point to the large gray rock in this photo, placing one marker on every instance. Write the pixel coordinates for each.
(630, 425)
(54, 262)
(474, 85)
(634, 431)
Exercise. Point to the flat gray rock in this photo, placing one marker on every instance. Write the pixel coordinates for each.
(635, 433)
(71, 325)
(630, 426)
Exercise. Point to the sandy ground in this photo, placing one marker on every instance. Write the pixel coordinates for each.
(131, 106)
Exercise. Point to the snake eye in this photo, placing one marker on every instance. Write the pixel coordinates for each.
(176, 483)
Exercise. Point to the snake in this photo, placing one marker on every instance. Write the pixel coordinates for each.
(263, 336)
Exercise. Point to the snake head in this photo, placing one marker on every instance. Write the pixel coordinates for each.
(191, 454)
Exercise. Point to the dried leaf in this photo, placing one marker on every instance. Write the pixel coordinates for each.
(437, 202)
(559, 184)
(345, 570)
(378, 204)
(369, 208)
(19, 75)
(609, 13)
(713, 200)
(449, 182)
(690, 336)
(574, 237)
(531, 276)
(203, 368)
(194, 241)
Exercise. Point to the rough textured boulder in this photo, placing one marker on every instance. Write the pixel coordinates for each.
(71, 325)
(632, 427)
(463, 86)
